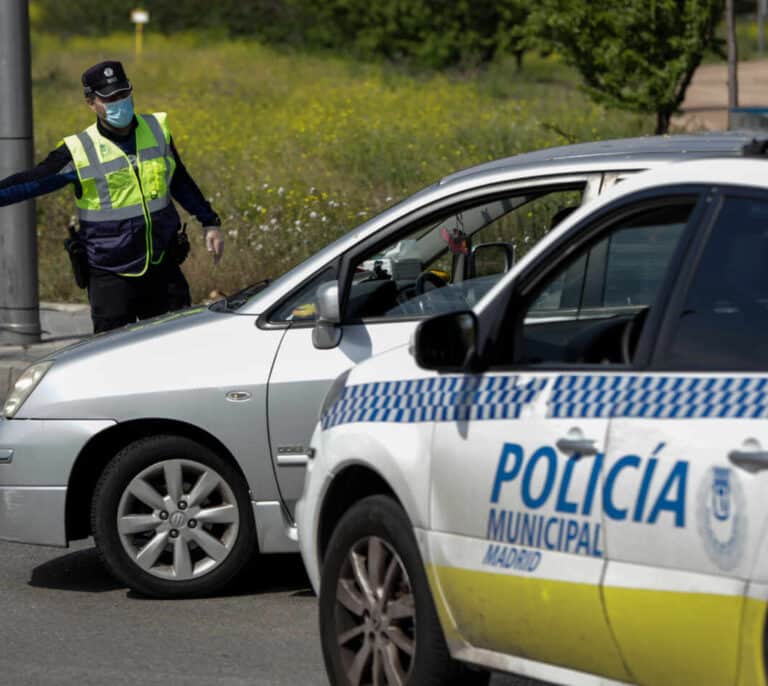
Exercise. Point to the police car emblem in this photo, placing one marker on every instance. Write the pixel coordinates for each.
(720, 513)
(109, 72)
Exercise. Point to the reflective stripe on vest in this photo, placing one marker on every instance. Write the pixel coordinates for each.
(122, 212)
(112, 189)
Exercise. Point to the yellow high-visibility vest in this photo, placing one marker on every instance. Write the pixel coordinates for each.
(114, 189)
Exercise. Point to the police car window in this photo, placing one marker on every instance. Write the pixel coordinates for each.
(636, 262)
(449, 264)
(591, 310)
(724, 322)
(562, 296)
(622, 271)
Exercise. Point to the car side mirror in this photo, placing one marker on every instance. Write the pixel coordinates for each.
(327, 331)
(489, 259)
(446, 343)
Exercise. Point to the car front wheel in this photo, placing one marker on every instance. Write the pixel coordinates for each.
(172, 519)
(378, 623)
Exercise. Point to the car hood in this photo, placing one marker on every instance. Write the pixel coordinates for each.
(141, 332)
(154, 368)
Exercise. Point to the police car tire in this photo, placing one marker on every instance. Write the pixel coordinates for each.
(128, 463)
(381, 516)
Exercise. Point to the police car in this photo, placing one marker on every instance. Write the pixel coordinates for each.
(569, 480)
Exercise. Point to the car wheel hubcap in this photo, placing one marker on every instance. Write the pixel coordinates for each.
(375, 615)
(178, 519)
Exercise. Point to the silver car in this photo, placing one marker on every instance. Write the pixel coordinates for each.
(180, 443)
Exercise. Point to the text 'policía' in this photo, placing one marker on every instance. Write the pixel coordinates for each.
(545, 481)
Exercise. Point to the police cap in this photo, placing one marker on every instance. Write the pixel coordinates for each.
(106, 79)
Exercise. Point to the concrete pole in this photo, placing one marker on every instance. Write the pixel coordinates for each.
(19, 296)
(733, 60)
(761, 9)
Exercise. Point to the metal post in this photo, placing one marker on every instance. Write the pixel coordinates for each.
(139, 41)
(139, 17)
(761, 11)
(19, 297)
(733, 60)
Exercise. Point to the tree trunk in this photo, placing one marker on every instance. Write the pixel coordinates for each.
(682, 89)
(663, 118)
(733, 57)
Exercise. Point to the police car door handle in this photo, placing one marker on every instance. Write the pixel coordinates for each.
(582, 446)
(749, 460)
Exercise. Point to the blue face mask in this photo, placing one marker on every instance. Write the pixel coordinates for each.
(120, 113)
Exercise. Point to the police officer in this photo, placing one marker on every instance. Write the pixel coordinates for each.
(125, 171)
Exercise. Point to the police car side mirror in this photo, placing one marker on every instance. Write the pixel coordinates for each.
(327, 332)
(446, 343)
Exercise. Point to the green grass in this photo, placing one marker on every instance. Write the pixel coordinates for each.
(294, 150)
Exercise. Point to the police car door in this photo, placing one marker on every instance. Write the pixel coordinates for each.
(686, 473)
(518, 541)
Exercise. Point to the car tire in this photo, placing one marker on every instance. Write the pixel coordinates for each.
(393, 628)
(172, 519)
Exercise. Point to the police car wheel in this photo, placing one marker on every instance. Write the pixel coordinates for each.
(172, 519)
(378, 623)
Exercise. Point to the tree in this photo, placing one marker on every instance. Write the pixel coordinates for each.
(513, 33)
(431, 32)
(640, 56)
(435, 33)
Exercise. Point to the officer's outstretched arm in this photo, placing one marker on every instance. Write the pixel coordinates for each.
(53, 173)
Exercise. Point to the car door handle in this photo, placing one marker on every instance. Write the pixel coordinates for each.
(749, 460)
(582, 446)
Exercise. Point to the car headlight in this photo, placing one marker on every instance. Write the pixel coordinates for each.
(334, 393)
(24, 386)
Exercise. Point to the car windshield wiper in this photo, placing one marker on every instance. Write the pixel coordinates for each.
(237, 300)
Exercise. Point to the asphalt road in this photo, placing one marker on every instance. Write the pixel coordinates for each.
(65, 621)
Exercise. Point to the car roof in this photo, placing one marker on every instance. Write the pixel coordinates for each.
(642, 149)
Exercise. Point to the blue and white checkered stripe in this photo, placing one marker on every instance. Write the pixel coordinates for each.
(439, 399)
(658, 397)
(457, 398)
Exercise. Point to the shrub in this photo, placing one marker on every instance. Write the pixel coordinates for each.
(427, 32)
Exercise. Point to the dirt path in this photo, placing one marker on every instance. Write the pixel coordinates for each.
(706, 101)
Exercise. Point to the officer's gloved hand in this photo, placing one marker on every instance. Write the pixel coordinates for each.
(214, 242)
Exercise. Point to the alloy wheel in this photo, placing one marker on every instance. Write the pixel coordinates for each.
(375, 615)
(178, 519)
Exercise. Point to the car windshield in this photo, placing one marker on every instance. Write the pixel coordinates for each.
(242, 297)
(237, 300)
